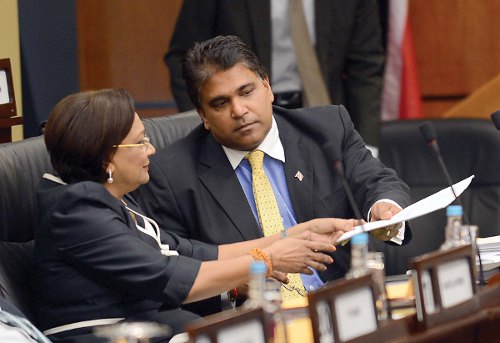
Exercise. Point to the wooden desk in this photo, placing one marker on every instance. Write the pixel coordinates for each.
(482, 326)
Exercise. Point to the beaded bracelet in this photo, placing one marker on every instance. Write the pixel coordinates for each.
(259, 255)
(233, 294)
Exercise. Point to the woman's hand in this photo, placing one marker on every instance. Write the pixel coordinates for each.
(280, 276)
(327, 230)
(294, 255)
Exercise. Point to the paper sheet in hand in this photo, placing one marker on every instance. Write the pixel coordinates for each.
(427, 205)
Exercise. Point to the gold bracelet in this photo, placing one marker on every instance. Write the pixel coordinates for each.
(259, 255)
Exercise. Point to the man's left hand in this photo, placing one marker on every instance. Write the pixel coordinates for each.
(383, 211)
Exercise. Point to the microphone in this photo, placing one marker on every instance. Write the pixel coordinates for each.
(333, 155)
(430, 136)
(495, 116)
(314, 129)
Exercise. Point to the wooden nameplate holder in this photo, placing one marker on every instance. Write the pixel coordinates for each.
(444, 285)
(245, 326)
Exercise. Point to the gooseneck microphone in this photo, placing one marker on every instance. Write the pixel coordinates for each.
(315, 130)
(495, 116)
(331, 151)
(333, 154)
(430, 136)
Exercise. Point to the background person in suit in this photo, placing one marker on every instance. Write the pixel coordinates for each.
(348, 43)
(99, 260)
(201, 185)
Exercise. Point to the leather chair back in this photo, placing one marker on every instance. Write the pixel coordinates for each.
(468, 146)
(21, 169)
(166, 129)
(22, 165)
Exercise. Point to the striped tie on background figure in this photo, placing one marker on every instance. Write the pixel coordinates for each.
(313, 84)
(269, 215)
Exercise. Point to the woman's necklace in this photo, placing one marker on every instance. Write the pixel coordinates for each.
(132, 214)
(154, 227)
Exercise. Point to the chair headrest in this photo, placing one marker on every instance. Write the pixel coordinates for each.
(22, 165)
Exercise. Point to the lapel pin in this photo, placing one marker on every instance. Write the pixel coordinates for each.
(299, 175)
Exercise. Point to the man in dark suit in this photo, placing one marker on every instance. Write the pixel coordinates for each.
(201, 186)
(348, 44)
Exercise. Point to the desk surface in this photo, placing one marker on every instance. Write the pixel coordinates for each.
(481, 326)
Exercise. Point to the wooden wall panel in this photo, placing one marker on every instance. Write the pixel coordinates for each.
(435, 108)
(457, 44)
(122, 43)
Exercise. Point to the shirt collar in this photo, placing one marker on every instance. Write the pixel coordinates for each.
(271, 145)
(54, 178)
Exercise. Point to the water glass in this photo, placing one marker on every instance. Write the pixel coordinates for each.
(375, 264)
(130, 332)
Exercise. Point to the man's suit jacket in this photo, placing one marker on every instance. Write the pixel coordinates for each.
(348, 46)
(194, 192)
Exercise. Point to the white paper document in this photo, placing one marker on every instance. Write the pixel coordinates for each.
(489, 247)
(427, 205)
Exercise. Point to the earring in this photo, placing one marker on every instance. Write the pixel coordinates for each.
(110, 176)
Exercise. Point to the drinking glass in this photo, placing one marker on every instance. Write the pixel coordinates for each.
(375, 264)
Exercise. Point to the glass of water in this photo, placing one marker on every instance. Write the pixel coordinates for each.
(375, 264)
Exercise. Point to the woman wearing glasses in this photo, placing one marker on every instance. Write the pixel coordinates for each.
(100, 260)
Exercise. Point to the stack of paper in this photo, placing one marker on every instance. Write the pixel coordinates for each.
(489, 248)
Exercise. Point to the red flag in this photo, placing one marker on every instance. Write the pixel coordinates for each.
(401, 97)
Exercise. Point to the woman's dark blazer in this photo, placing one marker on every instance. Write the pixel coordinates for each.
(91, 262)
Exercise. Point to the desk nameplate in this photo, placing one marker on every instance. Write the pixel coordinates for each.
(444, 285)
(244, 326)
(337, 310)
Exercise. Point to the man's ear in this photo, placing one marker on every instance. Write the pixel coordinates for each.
(267, 85)
(203, 118)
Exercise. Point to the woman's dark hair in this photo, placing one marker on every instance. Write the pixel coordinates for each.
(82, 129)
(214, 55)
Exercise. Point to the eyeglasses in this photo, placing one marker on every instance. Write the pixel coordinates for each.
(144, 144)
(302, 291)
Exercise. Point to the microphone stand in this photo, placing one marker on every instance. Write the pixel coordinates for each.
(430, 136)
(333, 154)
(495, 116)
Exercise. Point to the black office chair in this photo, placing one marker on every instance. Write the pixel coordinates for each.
(468, 146)
(22, 165)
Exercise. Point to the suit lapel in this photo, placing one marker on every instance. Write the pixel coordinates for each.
(298, 160)
(260, 17)
(221, 181)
